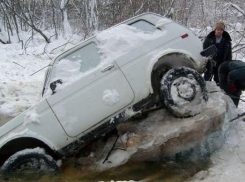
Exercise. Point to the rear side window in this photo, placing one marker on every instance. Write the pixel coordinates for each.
(144, 26)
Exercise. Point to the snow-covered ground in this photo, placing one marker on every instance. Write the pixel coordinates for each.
(19, 91)
(229, 161)
(20, 88)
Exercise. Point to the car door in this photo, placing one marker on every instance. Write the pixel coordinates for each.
(87, 91)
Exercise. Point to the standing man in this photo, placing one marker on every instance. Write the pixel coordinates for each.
(222, 40)
(232, 79)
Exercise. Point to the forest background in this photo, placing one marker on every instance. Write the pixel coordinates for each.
(52, 19)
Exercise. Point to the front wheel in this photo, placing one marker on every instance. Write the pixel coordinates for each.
(183, 91)
(35, 160)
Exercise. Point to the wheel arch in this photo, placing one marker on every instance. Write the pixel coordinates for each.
(22, 143)
(165, 62)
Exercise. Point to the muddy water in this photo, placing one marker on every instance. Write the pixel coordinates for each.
(140, 171)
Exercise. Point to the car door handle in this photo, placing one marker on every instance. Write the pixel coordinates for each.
(107, 68)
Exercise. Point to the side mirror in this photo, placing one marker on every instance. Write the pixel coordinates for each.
(53, 85)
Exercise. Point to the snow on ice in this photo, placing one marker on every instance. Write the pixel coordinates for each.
(149, 135)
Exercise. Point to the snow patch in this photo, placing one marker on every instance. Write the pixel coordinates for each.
(162, 22)
(117, 157)
(31, 116)
(59, 163)
(68, 71)
(111, 97)
(129, 112)
(112, 120)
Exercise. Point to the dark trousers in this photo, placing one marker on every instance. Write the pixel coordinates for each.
(223, 73)
(212, 71)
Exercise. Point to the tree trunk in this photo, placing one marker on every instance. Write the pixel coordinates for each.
(53, 19)
(15, 22)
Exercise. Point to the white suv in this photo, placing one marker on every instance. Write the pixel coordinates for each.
(145, 62)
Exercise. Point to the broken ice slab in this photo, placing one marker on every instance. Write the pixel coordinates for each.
(163, 136)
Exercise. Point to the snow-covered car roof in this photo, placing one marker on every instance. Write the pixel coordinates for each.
(150, 17)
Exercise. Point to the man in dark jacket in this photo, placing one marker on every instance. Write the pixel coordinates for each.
(232, 79)
(222, 40)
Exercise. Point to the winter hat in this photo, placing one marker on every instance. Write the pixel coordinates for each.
(220, 25)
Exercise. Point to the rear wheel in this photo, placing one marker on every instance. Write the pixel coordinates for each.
(183, 91)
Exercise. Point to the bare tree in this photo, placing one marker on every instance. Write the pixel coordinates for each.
(26, 16)
(85, 17)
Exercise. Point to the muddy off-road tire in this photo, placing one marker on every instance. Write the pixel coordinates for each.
(34, 160)
(183, 92)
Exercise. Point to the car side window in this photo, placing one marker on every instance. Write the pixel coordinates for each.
(144, 26)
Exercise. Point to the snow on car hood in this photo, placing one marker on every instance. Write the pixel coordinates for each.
(122, 39)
